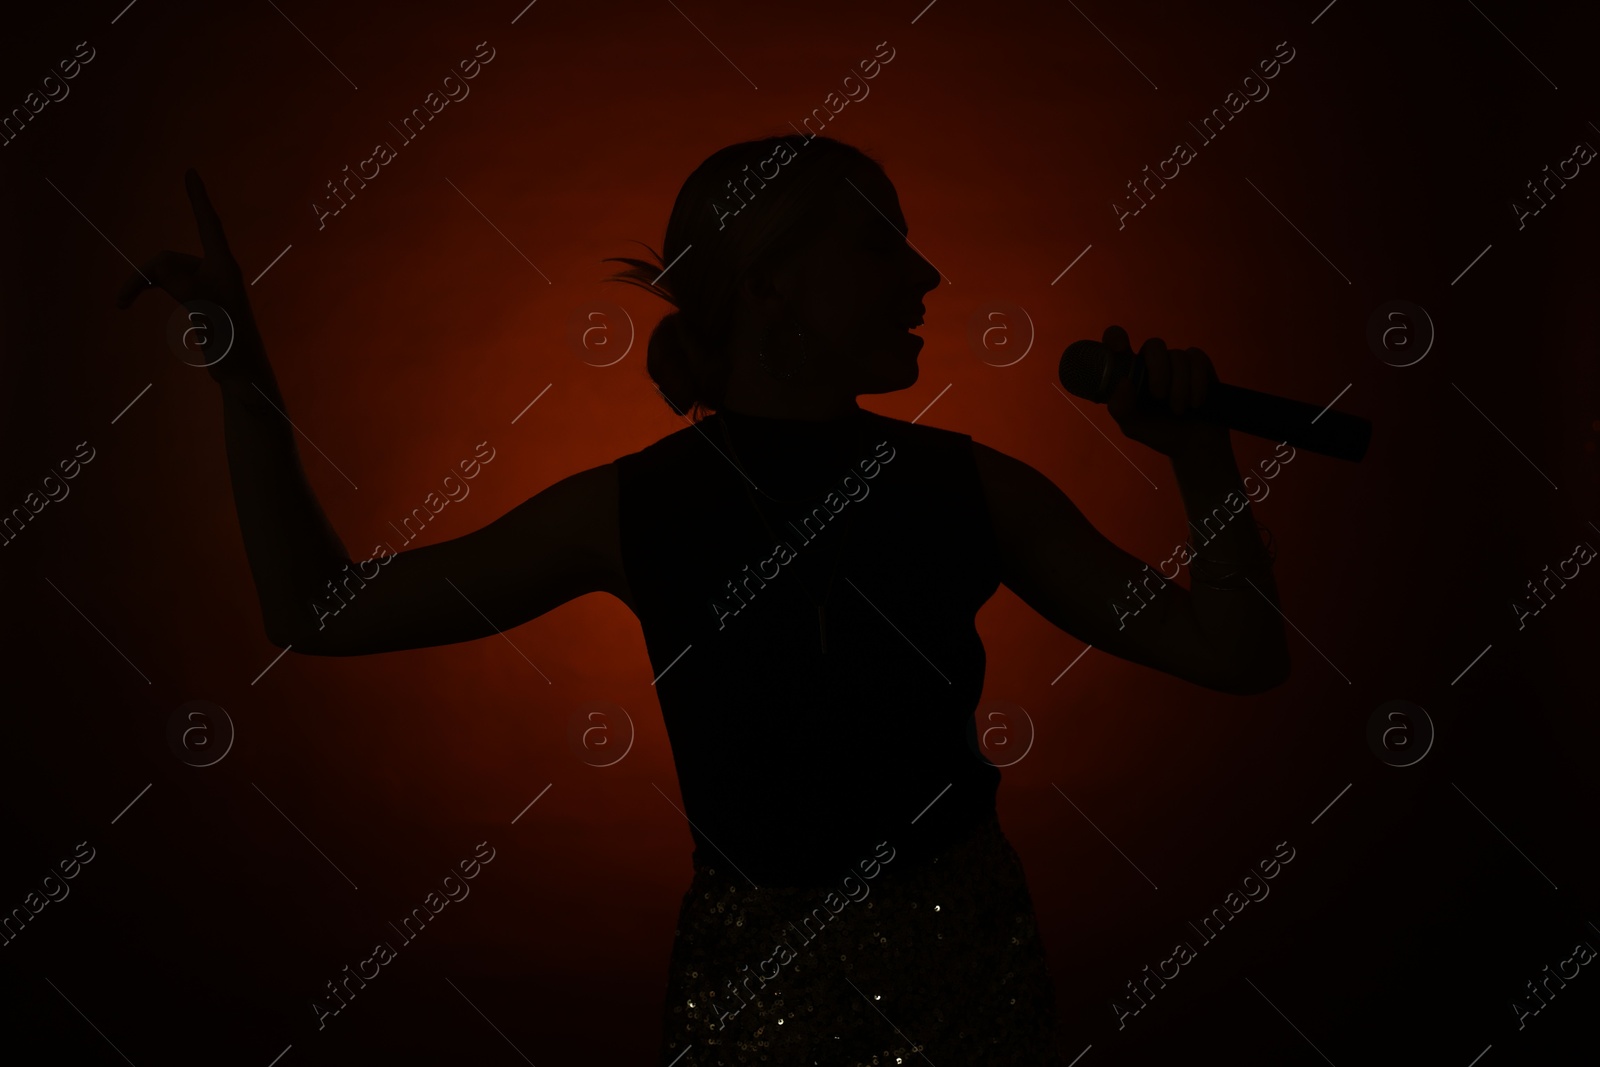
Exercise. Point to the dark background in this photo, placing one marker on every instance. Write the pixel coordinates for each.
(408, 330)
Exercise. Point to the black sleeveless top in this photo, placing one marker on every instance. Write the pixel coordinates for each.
(794, 762)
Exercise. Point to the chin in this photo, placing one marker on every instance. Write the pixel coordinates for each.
(892, 368)
(891, 382)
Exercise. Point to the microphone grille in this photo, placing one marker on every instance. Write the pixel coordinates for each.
(1085, 370)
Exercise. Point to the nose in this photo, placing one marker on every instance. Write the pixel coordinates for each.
(926, 276)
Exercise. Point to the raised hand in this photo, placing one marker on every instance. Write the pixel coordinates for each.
(214, 279)
(1177, 380)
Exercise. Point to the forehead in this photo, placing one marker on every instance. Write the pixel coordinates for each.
(865, 197)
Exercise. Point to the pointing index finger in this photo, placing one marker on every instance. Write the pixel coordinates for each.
(212, 240)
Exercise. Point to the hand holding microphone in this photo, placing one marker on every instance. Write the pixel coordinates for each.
(1157, 393)
(1172, 401)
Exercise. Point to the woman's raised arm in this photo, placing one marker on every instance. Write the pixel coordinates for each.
(1225, 632)
(558, 545)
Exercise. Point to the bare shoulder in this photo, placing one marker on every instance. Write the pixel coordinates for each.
(1033, 519)
(567, 533)
(994, 464)
(596, 486)
(1009, 483)
(587, 502)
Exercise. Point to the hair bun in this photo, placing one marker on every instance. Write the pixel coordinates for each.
(670, 362)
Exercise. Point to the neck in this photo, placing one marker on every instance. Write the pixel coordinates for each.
(787, 400)
(811, 394)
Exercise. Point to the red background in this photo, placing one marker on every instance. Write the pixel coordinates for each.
(407, 330)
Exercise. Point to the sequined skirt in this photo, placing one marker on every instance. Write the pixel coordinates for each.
(939, 960)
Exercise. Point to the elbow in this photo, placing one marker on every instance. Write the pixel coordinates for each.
(304, 642)
(287, 633)
(297, 622)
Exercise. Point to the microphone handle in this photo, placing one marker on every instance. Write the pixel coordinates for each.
(1323, 431)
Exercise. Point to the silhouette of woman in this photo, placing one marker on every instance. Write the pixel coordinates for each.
(806, 574)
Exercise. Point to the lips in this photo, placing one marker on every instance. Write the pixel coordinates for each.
(912, 319)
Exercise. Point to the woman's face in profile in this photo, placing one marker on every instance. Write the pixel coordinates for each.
(857, 288)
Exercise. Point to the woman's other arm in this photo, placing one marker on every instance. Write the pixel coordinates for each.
(559, 545)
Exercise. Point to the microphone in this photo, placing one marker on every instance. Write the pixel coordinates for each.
(1091, 370)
